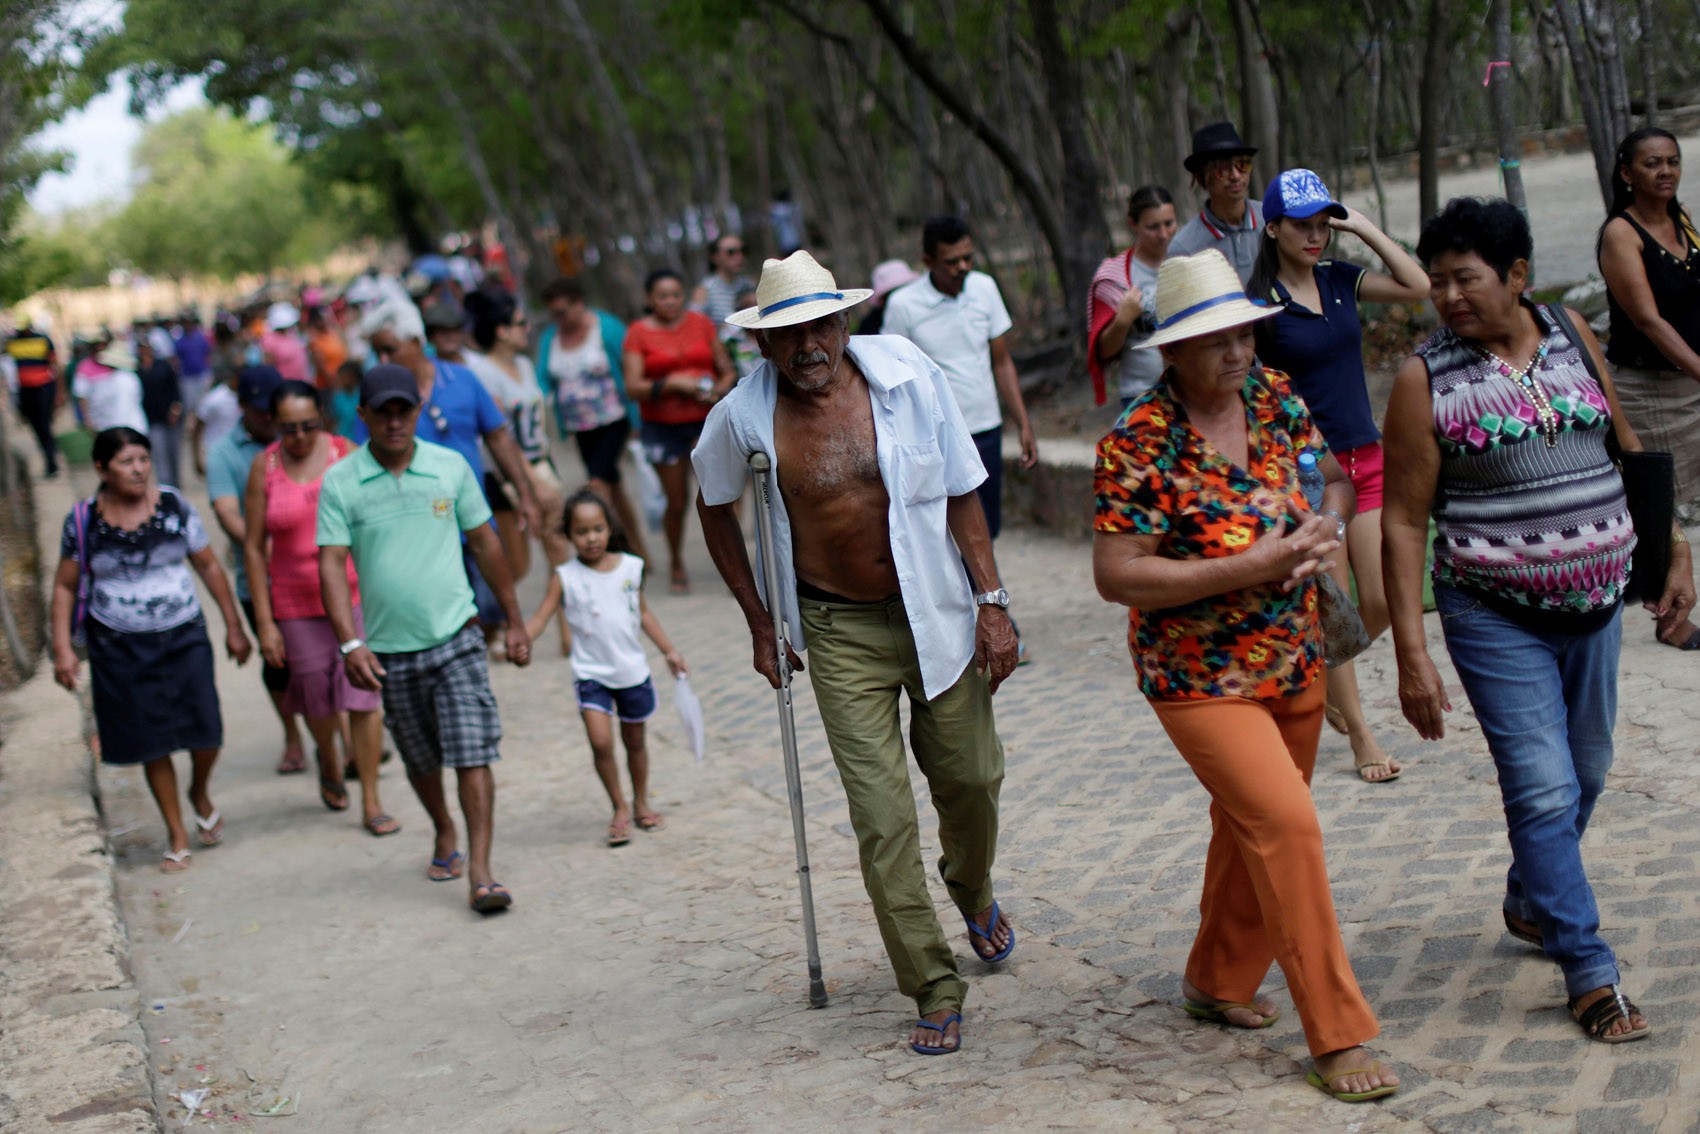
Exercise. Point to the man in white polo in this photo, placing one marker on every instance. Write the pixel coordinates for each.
(889, 583)
(957, 317)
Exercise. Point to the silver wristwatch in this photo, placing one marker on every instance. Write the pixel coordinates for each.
(999, 597)
(350, 646)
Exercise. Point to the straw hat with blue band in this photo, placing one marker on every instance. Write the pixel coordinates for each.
(795, 290)
(1200, 295)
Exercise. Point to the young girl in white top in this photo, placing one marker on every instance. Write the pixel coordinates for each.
(602, 593)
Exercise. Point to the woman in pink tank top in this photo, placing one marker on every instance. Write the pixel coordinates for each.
(282, 510)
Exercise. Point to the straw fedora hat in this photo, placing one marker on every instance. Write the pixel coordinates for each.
(1199, 295)
(117, 356)
(795, 290)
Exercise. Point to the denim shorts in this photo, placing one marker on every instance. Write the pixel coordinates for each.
(668, 443)
(633, 704)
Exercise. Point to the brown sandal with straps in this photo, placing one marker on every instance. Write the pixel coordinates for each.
(1597, 1018)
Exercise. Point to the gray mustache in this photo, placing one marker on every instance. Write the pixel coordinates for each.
(809, 358)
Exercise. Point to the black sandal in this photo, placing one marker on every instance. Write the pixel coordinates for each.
(333, 794)
(1599, 1016)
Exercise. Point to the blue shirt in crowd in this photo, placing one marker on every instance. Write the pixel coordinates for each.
(459, 413)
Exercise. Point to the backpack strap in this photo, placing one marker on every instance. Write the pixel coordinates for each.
(80, 514)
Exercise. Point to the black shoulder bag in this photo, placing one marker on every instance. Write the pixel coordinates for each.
(1649, 484)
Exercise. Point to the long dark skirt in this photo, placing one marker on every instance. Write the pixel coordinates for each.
(153, 693)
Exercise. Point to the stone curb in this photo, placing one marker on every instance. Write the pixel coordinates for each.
(73, 1058)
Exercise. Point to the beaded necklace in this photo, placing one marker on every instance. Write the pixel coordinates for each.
(1532, 388)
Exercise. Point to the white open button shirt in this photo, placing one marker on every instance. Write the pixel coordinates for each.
(925, 456)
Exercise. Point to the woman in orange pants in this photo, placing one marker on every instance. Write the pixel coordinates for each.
(1204, 534)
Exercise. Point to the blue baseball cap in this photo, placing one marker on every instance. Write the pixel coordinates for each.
(1299, 193)
(255, 386)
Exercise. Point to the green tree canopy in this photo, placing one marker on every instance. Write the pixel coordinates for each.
(218, 196)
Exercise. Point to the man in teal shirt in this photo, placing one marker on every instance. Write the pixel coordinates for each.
(399, 506)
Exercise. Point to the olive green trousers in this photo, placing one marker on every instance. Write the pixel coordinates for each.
(861, 656)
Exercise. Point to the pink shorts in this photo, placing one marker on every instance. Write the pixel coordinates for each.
(1363, 469)
(318, 681)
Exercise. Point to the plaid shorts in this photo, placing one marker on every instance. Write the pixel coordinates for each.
(439, 706)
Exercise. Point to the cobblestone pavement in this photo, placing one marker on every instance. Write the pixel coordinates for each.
(661, 986)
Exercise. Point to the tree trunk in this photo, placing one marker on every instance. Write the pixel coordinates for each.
(1430, 103)
(1259, 110)
(1026, 179)
(1083, 212)
(1614, 79)
(617, 125)
(1594, 113)
(1499, 97)
(1372, 61)
(1649, 65)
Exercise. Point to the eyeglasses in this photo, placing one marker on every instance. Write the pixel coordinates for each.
(1236, 164)
(297, 428)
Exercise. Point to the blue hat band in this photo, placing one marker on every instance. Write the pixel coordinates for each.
(796, 299)
(1187, 312)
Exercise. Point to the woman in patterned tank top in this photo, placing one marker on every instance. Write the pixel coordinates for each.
(1497, 428)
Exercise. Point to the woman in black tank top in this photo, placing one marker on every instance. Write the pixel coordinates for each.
(1649, 254)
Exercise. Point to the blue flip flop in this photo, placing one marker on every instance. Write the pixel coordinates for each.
(975, 931)
(939, 1049)
(446, 864)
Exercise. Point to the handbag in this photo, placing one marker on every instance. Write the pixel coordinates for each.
(1649, 485)
(1343, 634)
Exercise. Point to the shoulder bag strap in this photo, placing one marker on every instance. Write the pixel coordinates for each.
(1614, 451)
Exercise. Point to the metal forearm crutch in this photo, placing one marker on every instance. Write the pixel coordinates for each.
(762, 469)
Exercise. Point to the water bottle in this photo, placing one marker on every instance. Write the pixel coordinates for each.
(1310, 480)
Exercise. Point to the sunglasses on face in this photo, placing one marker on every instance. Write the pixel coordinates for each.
(1236, 165)
(298, 428)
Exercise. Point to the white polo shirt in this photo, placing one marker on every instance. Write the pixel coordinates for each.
(956, 332)
(925, 457)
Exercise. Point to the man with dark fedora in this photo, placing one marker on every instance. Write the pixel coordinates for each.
(1220, 164)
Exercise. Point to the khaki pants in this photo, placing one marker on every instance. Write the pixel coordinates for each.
(1266, 895)
(860, 657)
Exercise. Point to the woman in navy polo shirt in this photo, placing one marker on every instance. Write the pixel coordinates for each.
(1318, 341)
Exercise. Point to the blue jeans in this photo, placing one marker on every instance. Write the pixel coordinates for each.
(1546, 703)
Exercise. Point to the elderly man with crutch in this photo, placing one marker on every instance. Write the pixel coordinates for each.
(885, 574)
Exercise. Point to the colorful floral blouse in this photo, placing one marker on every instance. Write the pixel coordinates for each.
(1157, 476)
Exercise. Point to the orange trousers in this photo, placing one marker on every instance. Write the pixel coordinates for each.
(1266, 895)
